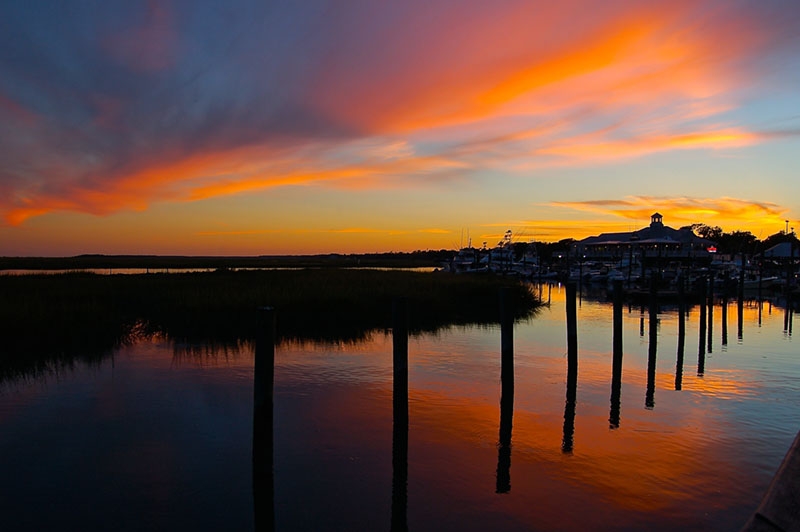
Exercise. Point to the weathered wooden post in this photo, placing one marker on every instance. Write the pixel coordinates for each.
(503, 484)
(616, 367)
(572, 336)
(701, 353)
(572, 369)
(400, 415)
(506, 339)
(264, 376)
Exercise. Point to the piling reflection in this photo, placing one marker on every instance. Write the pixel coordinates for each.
(263, 437)
(787, 320)
(616, 367)
(725, 320)
(400, 416)
(740, 319)
(399, 471)
(710, 304)
(572, 371)
(503, 484)
(334, 474)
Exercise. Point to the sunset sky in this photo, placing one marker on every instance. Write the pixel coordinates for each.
(247, 127)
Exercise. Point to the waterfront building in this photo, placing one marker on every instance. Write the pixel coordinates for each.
(655, 240)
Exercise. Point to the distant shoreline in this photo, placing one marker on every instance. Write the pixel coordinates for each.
(159, 262)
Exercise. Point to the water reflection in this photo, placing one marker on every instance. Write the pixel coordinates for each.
(169, 442)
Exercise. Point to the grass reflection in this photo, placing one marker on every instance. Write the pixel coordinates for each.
(52, 320)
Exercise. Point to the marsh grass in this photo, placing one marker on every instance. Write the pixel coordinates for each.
(53, 319)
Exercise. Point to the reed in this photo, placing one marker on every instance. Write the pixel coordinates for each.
(51, 319)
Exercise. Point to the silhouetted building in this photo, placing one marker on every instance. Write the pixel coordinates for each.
(656, 239)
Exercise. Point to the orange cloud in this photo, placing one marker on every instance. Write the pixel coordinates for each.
(500, 89)
(731, 214)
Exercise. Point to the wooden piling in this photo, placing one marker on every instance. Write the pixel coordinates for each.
(506, 338)
(264, 375)
(263, 385)
(572, 337)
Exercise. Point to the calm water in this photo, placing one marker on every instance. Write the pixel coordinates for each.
(159, 437)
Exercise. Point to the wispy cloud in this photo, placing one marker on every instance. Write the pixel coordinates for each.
(170, 104)
(681, 209)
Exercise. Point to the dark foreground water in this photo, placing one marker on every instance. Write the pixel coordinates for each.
(160, 436)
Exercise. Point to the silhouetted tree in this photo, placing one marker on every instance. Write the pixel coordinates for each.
(737, 242)
(705, 231)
